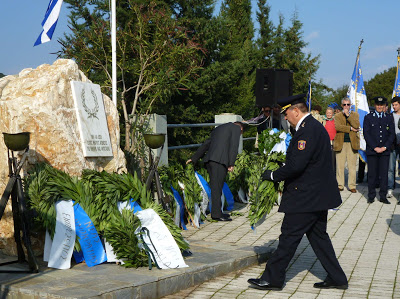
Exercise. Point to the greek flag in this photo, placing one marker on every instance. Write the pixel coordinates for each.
(309, 93)
(396, 88)
(49, 22)
(358, 100)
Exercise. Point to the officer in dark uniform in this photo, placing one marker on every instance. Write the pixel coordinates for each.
(310, 191)
(379, 135)
(220, 152)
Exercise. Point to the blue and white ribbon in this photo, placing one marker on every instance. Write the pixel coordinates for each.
(181, 206)
(92, 248)
(228, 197)
(205, 192)
(281, 146)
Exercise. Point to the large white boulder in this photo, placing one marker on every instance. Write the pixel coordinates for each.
(40, 101)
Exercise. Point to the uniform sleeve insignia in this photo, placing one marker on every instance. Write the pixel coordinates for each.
(301, 144)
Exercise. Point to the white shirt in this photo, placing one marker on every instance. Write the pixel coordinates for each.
(300, 121)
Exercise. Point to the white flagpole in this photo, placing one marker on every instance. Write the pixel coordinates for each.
(357, 75)
(114, 51)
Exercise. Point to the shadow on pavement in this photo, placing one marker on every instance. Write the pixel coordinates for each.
(306, 265)
(265, 251)
(394, 224)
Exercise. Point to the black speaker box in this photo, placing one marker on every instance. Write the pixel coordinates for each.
(273, 84)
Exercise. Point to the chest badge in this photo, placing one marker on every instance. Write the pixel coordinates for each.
(301, 145)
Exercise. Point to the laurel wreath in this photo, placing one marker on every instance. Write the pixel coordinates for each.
(98, 194)
(90, 112)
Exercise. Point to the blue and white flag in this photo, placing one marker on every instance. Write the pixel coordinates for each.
(49, 22)
(309, 93)
(396, 88)
(358, 99)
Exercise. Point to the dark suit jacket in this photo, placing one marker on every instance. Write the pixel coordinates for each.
(310, 183)
(378, 132)
(222, 146)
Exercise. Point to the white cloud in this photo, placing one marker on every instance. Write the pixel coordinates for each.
(312, 35)
(368, 74)
(379, 52)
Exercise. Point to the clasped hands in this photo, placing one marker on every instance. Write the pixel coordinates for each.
(380, 150)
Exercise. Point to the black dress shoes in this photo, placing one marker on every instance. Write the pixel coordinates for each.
(370, 200)
(330, 285)
(263, 285)
(385, 201)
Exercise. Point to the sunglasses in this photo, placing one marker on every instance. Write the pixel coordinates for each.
(346, 104)
(267, 110)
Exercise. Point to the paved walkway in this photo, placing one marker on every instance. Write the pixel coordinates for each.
(366, 238)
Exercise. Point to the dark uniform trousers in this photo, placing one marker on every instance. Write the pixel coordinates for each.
(294, 226)
(217, 174)
(378, 167)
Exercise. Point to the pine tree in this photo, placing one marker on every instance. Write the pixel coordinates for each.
(381, 84)
(289, 54)
(266, 33)
(237, 25)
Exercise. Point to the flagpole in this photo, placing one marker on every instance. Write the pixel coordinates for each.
(397, 74)
(356, 67)
(310, 94)
(114, 51)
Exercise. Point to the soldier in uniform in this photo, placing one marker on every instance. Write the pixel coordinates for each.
(310, 191)
(379, 135)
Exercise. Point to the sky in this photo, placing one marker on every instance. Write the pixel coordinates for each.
(332, 29)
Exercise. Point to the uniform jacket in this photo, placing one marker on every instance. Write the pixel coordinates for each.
(310, 183)
(343, 126)
(378, 132)
(222, 146)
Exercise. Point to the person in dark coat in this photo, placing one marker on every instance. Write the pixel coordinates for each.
(310, 191)
(379, 135)
(220, 152)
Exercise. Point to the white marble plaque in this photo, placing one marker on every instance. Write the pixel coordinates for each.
(92, 120)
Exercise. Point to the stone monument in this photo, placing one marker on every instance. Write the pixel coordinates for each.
(40, 101)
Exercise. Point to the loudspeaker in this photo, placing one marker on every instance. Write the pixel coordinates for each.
(273, 84)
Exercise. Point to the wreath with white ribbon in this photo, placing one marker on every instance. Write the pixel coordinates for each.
(91, 112)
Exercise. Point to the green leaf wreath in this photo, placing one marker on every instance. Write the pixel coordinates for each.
(239, 177)
(263, 195)
(98, 193)
(170, 176)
